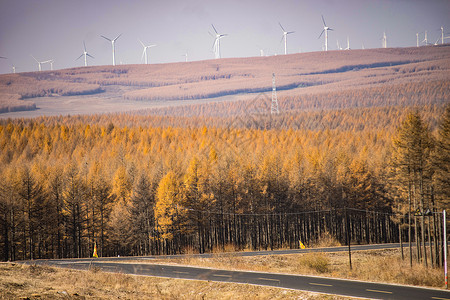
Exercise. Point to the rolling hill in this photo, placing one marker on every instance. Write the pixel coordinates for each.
(297, 75)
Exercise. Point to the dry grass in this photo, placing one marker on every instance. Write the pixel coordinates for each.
(41, 282)
(374, 265)
(297, 74)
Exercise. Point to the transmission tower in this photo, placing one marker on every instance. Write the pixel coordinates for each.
(274, 108)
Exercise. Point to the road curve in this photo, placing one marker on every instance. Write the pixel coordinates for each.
(325, 285)
(298, 282)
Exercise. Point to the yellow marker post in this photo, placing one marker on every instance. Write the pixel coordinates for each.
(95, 250)
(301, 245)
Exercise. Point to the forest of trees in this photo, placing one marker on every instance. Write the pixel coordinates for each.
(136, 185)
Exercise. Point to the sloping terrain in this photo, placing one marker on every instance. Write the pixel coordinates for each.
(296, 74)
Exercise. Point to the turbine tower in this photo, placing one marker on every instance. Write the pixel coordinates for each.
(274, 107)
(185, 57)
(417, 40)
(425, 40)
(442, 35)
(39, 63)
(144, 53)
(285, 33)
(384, 40)
(325, 30)
(85, 54)
(348, 44)
(113, 47)
(216, 44)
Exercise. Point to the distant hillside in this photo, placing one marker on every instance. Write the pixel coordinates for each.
(316, 73)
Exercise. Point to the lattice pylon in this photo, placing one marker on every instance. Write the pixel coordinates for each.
(274, 107)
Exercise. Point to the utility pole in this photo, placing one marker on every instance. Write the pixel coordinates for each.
(347, 225)
(445, 248)
(274, 107)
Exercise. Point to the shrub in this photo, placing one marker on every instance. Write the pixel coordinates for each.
(317, 261)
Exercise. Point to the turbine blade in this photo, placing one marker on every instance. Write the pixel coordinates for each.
(141, 43)
(105, 38)
(331, 29)
(214, 28)
(117, 37)
(143, 53)
(35, 59)
(84, 44)
(89, 55)
(79, 57)
(289, 32)
(281, 27)
(282, 37)
(323, 20)
(321, 34)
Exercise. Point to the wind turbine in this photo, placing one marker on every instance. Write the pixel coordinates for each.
(50, 62)
(442, 36)
(417, 39)
(113, 48)
(285, 33)
(384, 40)
(144, 53)
(348, 44)
(216, 44)
(39, 63)
(425, 40)
(338, 46)
(85, 54)
(325, 29)
(185, 57)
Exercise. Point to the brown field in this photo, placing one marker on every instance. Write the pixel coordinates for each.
(41, 282)
(297, 74)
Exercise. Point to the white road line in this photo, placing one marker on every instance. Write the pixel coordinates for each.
(321, 284)
(181, 272)
(377, 291)
(270, 279)
(219, 275)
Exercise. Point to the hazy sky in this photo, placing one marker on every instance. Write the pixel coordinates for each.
(56, 29)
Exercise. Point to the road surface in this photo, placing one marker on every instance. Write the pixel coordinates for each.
(343, 287)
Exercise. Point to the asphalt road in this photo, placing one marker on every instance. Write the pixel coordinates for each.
(299, 282)
(247, 253)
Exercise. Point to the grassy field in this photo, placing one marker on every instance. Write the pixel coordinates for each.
(19, 281)
(40, 282)
(297, 75)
